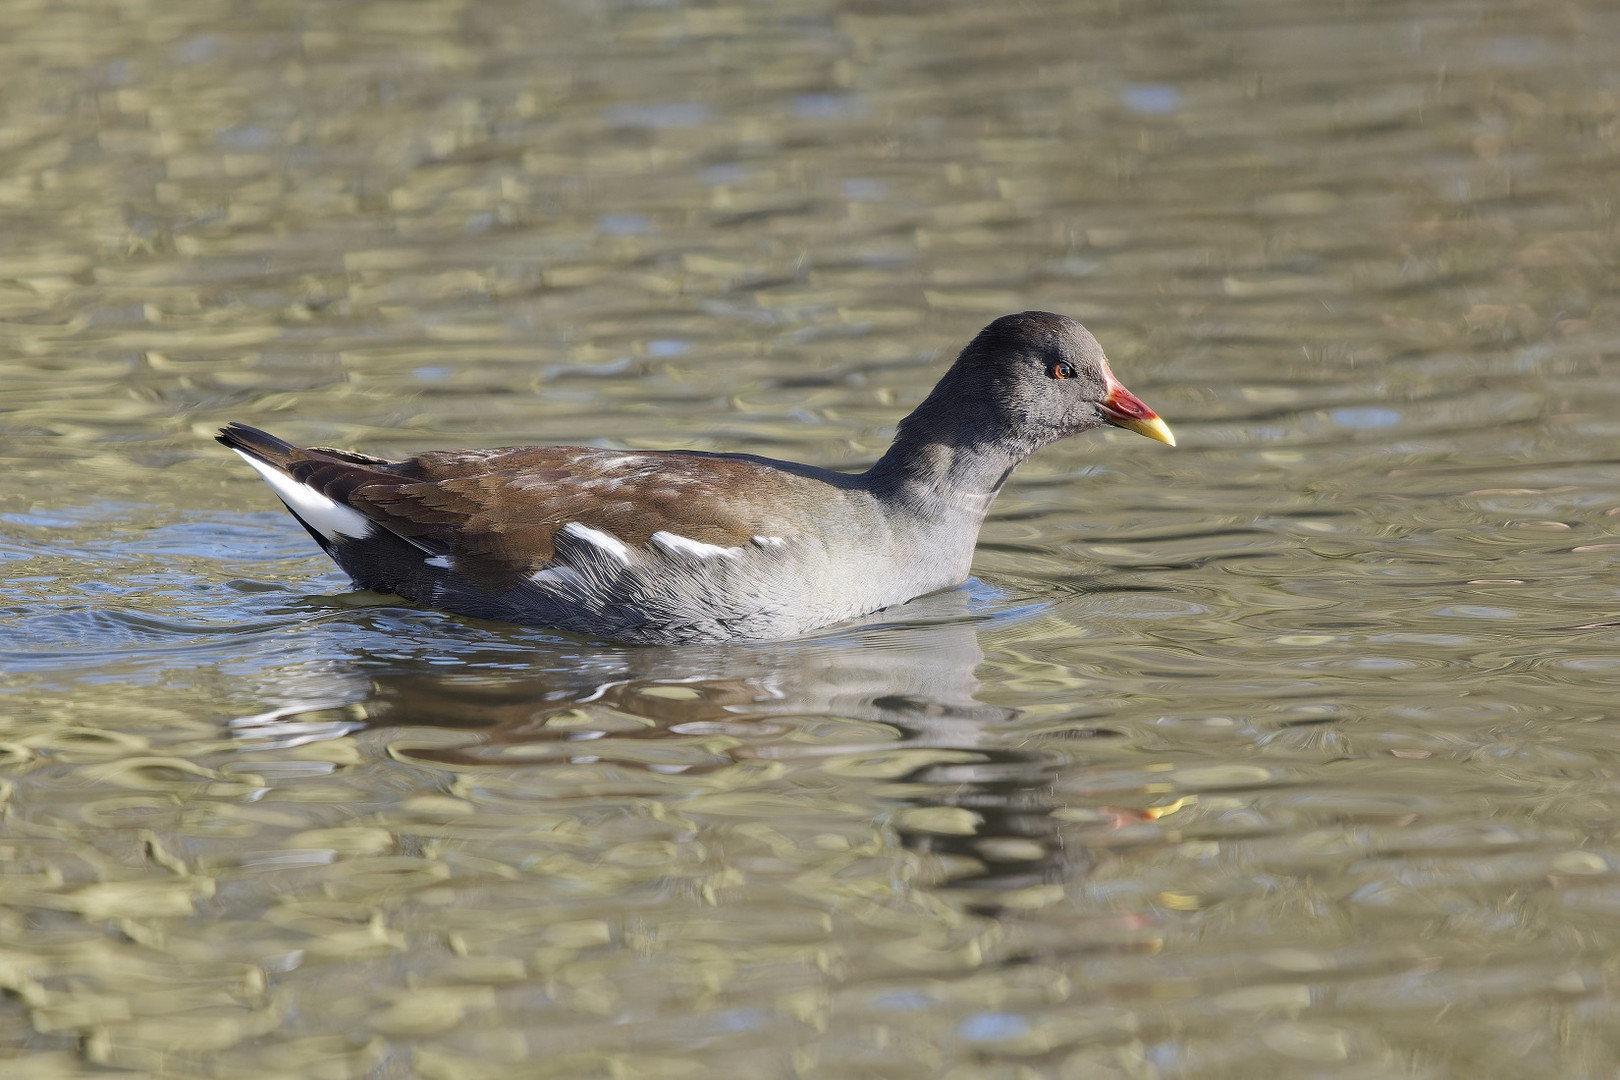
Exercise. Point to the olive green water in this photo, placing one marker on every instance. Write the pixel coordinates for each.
(1290, 752)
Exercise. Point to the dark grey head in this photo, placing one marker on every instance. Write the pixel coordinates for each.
(1030, 379)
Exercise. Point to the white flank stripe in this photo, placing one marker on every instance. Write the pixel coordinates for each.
(314, 509)
(563, 577)
(441, 561)
(770, 541)
(606, 541)
(676, 544)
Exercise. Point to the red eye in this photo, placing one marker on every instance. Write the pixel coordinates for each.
(1060, 369)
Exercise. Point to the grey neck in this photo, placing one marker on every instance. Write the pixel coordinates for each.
(945, 466)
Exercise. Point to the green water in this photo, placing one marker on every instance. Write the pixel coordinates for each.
(1284, 753)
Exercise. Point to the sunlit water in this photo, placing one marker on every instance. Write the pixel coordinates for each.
(1289, 752)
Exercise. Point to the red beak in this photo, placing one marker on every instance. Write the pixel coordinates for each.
(1124, 409)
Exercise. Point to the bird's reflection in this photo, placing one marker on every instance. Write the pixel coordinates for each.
(916, 677)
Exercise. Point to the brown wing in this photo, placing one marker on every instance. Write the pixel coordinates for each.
(497, 511)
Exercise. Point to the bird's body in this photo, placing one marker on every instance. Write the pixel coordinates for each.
(664, 547)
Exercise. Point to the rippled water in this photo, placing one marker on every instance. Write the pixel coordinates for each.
(1287, 752)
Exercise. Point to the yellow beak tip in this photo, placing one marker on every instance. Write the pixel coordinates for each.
(1152, 427)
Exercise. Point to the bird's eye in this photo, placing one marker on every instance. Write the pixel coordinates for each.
(1060, 369)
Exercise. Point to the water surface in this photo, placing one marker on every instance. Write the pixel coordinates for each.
(1287, 752)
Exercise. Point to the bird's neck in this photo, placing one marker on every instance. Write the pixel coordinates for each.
(946, 464)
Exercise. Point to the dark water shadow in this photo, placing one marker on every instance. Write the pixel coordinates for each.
(914, 672)
(914, 669)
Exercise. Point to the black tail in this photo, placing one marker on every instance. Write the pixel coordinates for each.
(316, 486)
(274, 452)
(261, 444)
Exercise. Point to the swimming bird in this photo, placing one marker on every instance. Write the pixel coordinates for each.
(673, 546)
